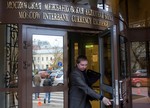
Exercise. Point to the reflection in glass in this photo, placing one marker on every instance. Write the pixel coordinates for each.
(92, 55)
(47, 59)
(139, 79)
(76, 50)
(123, 62)
(48, 100)
(138, 59)
(107, 60)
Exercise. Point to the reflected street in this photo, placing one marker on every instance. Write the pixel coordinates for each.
(56, 101)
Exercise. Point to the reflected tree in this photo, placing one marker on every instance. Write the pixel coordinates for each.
(51, 50)
(58, 56)
(138, 55)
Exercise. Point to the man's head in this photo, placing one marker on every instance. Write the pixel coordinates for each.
(82, 62)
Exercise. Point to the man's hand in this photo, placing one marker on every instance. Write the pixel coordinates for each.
(106, 101)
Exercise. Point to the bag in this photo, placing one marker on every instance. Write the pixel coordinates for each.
(93, 76)
(47, 82)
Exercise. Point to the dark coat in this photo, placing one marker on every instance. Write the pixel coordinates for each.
(80, 90)
(47, 82)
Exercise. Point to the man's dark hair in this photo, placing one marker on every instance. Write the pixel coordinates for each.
(81, 58)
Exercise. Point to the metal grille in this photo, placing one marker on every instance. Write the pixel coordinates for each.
(12, 56)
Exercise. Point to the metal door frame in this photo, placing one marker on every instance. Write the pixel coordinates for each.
(114, 89)
(27, 33)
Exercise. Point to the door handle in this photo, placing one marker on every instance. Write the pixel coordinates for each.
(111, 100)
(120, 90)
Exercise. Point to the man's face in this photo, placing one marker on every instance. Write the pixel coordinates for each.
(82, 65)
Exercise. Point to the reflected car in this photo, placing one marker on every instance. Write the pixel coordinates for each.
(140, 72)
(58, 70)
(139, 82)
(58, 80)
(53, 75)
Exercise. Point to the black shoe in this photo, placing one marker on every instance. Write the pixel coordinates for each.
(44, 100)
(48, 101)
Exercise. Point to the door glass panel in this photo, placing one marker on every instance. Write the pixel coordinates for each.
(93, 64)
(138, 59)
(92, 55)
(107, 61)
(76, 50)
(48, 100)
(47, 59)
(139, 79)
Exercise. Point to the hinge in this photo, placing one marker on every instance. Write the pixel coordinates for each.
(26, 45)
(26, 65)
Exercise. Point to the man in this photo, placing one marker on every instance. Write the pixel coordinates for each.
(80, 91)
(37, 82)
(47, 82)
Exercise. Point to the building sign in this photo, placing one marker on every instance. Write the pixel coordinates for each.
(54, 13)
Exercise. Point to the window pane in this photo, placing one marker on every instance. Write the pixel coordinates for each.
(45, 46)
(138, 59)
(123, 59)
(107, 61)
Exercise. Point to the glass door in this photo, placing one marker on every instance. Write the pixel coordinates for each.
(113, 67)
(46, 72)
(140, 65)
(106, 67)
(86, 44)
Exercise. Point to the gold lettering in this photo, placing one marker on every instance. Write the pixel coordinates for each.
(79, 10)
(55, 16)
(72, 10)
(16, 5)
(59, 12)
(88, 12)
(23, 14)
(35, 5)
(81, 19)
(65, 8)
(98, 14)
(24, 5)
(108, 17)
(56, 7)
(99, 22)
(29, 15)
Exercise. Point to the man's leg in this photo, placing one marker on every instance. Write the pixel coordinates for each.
(45, 96)
(36, 95)
(49, 97)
